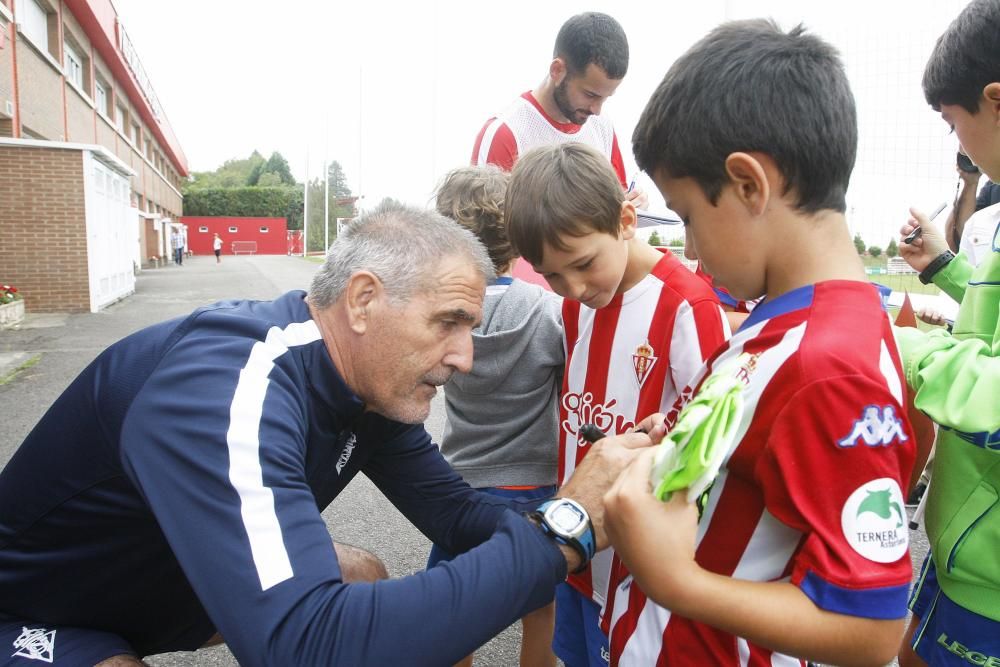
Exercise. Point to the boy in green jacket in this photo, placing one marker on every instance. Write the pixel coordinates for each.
(956, 378)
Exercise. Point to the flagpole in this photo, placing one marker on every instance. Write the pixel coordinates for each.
(305, 210)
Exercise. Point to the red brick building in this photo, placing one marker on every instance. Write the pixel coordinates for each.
(90, 169)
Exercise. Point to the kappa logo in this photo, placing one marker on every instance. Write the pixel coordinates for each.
(875, 428)
(643, 360)
(35, 644)
(345, 455)
(873, 523)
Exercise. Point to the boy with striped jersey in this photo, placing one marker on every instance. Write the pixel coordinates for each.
(638, 326)
(800, 550)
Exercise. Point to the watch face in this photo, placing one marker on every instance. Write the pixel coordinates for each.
(565, 518)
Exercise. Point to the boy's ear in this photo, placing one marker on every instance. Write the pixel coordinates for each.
(750, 175)
(991, 93)
(629, 220)
(364, 292)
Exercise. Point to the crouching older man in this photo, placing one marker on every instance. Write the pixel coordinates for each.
(174, 490)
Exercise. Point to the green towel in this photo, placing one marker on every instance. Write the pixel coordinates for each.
(690, 455)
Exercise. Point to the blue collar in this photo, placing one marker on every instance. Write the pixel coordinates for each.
(795, 300)
(502, 280)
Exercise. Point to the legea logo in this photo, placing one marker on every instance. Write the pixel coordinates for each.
(874, 523)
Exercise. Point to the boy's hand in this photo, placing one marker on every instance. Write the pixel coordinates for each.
(931, 316)
(656, 540)
(638, 197)
(598, 471)
(655, 425)
(926, 247)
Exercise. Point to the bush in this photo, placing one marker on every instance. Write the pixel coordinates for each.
(859, 244)
(874, 251)
(654, 239)
(254, 202)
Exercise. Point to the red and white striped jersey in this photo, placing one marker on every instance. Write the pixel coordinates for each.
(525, 125)
(811, 493)
(628, 360)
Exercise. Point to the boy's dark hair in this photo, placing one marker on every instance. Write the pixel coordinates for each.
(749, 86)
(474, 198)
(966, 58)
(595, 38)
(558, 191)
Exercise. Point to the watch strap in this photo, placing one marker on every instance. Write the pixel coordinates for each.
(938, 263)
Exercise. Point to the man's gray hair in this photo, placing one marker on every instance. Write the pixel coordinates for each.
(403, 246)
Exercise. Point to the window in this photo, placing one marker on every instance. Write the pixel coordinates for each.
(135, 134)
(203, 228)
(73, 65)
(101, 97)
(232, 230)
(263, 230)
(34, 21)
(120, 118)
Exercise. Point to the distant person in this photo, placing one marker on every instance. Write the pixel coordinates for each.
(638, 326)
(177, 244)
(171, 496)
(968, 201)
(589, 61)
(217, 248)
(799, 549)
(955, 377)
(501, 434)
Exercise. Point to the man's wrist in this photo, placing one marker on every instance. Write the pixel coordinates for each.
(574, 561)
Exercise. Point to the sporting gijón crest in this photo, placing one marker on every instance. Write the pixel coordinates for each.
(643, 360)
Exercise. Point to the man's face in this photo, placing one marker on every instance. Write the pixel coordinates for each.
(590, 271)
(978, 135)
(581, 96)
(413, 348)
(717, 235)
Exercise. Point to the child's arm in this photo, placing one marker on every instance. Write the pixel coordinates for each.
(772, 614)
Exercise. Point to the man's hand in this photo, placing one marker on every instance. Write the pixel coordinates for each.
(656, 540)
(926, 247)
(638, 197)
(597, 472)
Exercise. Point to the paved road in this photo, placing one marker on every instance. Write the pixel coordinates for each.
(51, 349)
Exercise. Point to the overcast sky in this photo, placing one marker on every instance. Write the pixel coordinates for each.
(396, 91)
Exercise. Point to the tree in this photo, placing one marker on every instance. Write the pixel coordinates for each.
(253, 178)
(892, 250)
(277, 164)
(654, 239)
(338, 180)
(859, 243)
(233, 173)
(676, 242)
(874, 251)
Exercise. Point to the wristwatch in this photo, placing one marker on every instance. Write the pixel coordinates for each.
(566, 522)
(936, 265)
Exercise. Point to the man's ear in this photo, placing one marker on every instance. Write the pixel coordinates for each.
(751, 177)
(557, 70)
(364, 293)
(629, 221)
